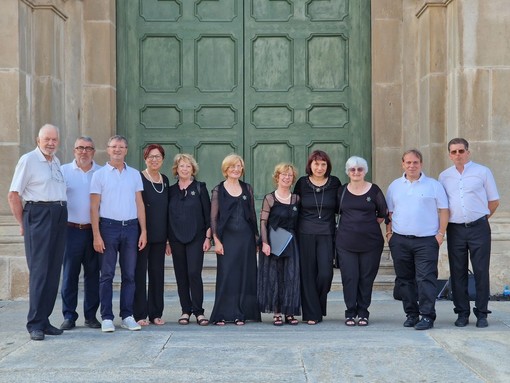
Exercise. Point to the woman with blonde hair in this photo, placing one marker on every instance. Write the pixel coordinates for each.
(189, 212)
(278, 278)
(234, 228)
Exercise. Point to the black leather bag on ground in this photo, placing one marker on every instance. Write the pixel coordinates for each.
(445, 289)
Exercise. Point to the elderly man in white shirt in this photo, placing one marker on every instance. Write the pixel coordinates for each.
(39, 182)
(473, 197)
(418, 208)
(79, 248)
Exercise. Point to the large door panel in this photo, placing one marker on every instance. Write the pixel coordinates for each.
(271, 80)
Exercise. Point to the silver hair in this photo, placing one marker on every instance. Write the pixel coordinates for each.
(355, 161)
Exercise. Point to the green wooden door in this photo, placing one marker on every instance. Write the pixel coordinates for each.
(271, 80)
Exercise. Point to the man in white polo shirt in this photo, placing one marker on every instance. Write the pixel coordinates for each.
(418, 209)
(79, 244)
(39, 183)
(117, 215)
(473, 198)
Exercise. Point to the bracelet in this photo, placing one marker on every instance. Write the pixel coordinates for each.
(441, 234)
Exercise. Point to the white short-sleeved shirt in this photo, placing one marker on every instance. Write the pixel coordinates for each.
(414, 205)
(469, 192)
(118, 191)
(78, 191)
(37, 179)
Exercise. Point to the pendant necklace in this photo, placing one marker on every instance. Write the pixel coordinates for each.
(319, 210)
(160, 181)
(282, 198)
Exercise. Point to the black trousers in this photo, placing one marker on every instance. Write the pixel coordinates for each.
(188, 263)
(358, 270)
(45, 238)
(415, 262)
(464, 244)
(149, 302)
(316, 255)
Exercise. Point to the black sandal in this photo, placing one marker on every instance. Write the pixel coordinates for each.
(363, 322)
(239, 322)
(184, 319)
(202, 320)
(350, 322)
(289, 319)
(277, 320)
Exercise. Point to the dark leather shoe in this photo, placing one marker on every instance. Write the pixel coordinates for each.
(52, 330)
(37, 335)
(462, 321)
(92, 323)
(68, 324)
(482, 322)
(424, 324)
(411, 321)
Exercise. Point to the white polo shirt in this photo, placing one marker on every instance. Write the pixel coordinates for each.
(36, 179)
(78, 191)
(414, 205)
(469, 192)
(118, 191)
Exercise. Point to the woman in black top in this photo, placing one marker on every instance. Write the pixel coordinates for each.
(278, 278)
(359, 240)
(318, 191)
(189, 235)
(234, 227)
(151, 259)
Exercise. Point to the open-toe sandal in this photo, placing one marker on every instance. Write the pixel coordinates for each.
(184, 319)
(220, 323)
(289, 319)
(277, 320)
(312, 322)
(202, 320)
(239, 322)
(350, 322)
(143, 322)
(158, 321)
(363, 322)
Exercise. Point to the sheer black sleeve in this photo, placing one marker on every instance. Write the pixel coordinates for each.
(215, 210)
(267, 204)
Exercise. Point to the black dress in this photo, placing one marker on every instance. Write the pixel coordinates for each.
(278, 277)
(233, 221)
(151, 259)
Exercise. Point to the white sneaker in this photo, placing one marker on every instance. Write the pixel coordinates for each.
(107, 326)
(130, 324)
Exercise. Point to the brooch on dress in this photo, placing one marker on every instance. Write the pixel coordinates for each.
(192, 192)
(369, 199)
(244, 197)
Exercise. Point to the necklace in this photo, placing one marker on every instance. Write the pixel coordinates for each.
(319, 209)
(282, 198)
(159, 182)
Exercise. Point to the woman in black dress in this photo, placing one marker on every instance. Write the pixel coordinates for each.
(234, 227)
(278, 277)
(189, 234)
(151, 259)
(318, 191)
(359, 240)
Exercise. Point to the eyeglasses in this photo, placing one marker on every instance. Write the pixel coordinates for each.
(87, 149)
(117, 147)
(156, 157)
(460, 151)
(359, 170)
(286, 175)
(235, 167)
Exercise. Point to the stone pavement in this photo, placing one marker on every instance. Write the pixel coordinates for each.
(260, 352)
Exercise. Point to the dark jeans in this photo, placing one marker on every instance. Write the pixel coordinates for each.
(358, 270)
(80, 251)
(188, 263)
(475, 241)
(122, 240)
(149, 301)
(415, 262)
(45, 238)
(316, 255)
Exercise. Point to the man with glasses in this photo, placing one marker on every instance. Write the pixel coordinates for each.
(473, 198)
(117, 215)
(418, 209)
(38, 182)
(79, 246)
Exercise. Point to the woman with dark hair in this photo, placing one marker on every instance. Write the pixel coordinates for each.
(359, 241)
(151, 260)
(189, 234)
(234, 227)
(278, 279)
(316, 228)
